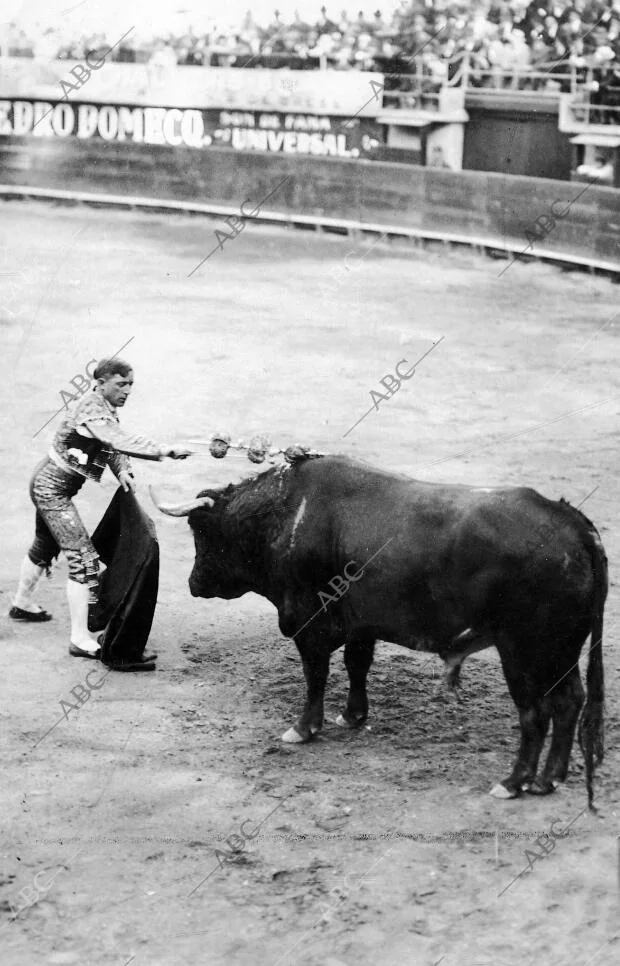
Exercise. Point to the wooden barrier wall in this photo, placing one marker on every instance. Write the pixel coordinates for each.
(582, 222)
(516, 141)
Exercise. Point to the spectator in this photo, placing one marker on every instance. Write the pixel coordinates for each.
(163, 57)
(437, 159)
(602, 171)
(498, 35)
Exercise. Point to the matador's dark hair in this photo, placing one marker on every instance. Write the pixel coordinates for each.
(111, 367)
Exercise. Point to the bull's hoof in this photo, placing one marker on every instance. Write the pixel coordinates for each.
(541, 787)
(292, 737)
(500, 791)
(350, 721)
(453, 677)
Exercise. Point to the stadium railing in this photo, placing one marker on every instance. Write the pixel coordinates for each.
(459, 69)
(548, 80)
(405, 92)
(585, 112)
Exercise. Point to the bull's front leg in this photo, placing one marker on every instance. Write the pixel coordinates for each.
(314, 648)
(358, 655)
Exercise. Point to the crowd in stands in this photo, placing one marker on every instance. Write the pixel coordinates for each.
(497, 35)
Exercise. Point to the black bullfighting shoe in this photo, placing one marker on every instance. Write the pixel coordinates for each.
(34, 616)
(144, 658)
(76, 651)
(139, 665)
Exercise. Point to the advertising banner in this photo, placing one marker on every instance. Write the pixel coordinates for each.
(334, 93)
(287, 133)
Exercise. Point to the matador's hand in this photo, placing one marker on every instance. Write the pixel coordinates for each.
(127, 481)
(176, 452)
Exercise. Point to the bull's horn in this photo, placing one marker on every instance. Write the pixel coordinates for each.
(180, 509)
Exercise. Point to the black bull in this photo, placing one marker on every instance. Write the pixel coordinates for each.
(349, 555)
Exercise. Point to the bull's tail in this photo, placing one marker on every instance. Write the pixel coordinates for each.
(591, 725)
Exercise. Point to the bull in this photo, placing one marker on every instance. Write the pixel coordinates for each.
(349, 554)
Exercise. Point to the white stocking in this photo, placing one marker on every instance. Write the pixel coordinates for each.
(77, 595)
(29, 576)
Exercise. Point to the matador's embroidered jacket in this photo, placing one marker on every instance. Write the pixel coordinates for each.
(75, 449)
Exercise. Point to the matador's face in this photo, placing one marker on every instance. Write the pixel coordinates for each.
(116, 389)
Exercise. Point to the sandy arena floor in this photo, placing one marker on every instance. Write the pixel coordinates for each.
(379, 848)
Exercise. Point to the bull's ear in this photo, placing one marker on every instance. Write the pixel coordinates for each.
(180, 509)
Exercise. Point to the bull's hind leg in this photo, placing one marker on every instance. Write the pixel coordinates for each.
(534, 721)
(566, 700)
(358, 655)
(534, 717)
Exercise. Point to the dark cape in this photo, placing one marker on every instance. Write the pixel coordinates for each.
(126, 541)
